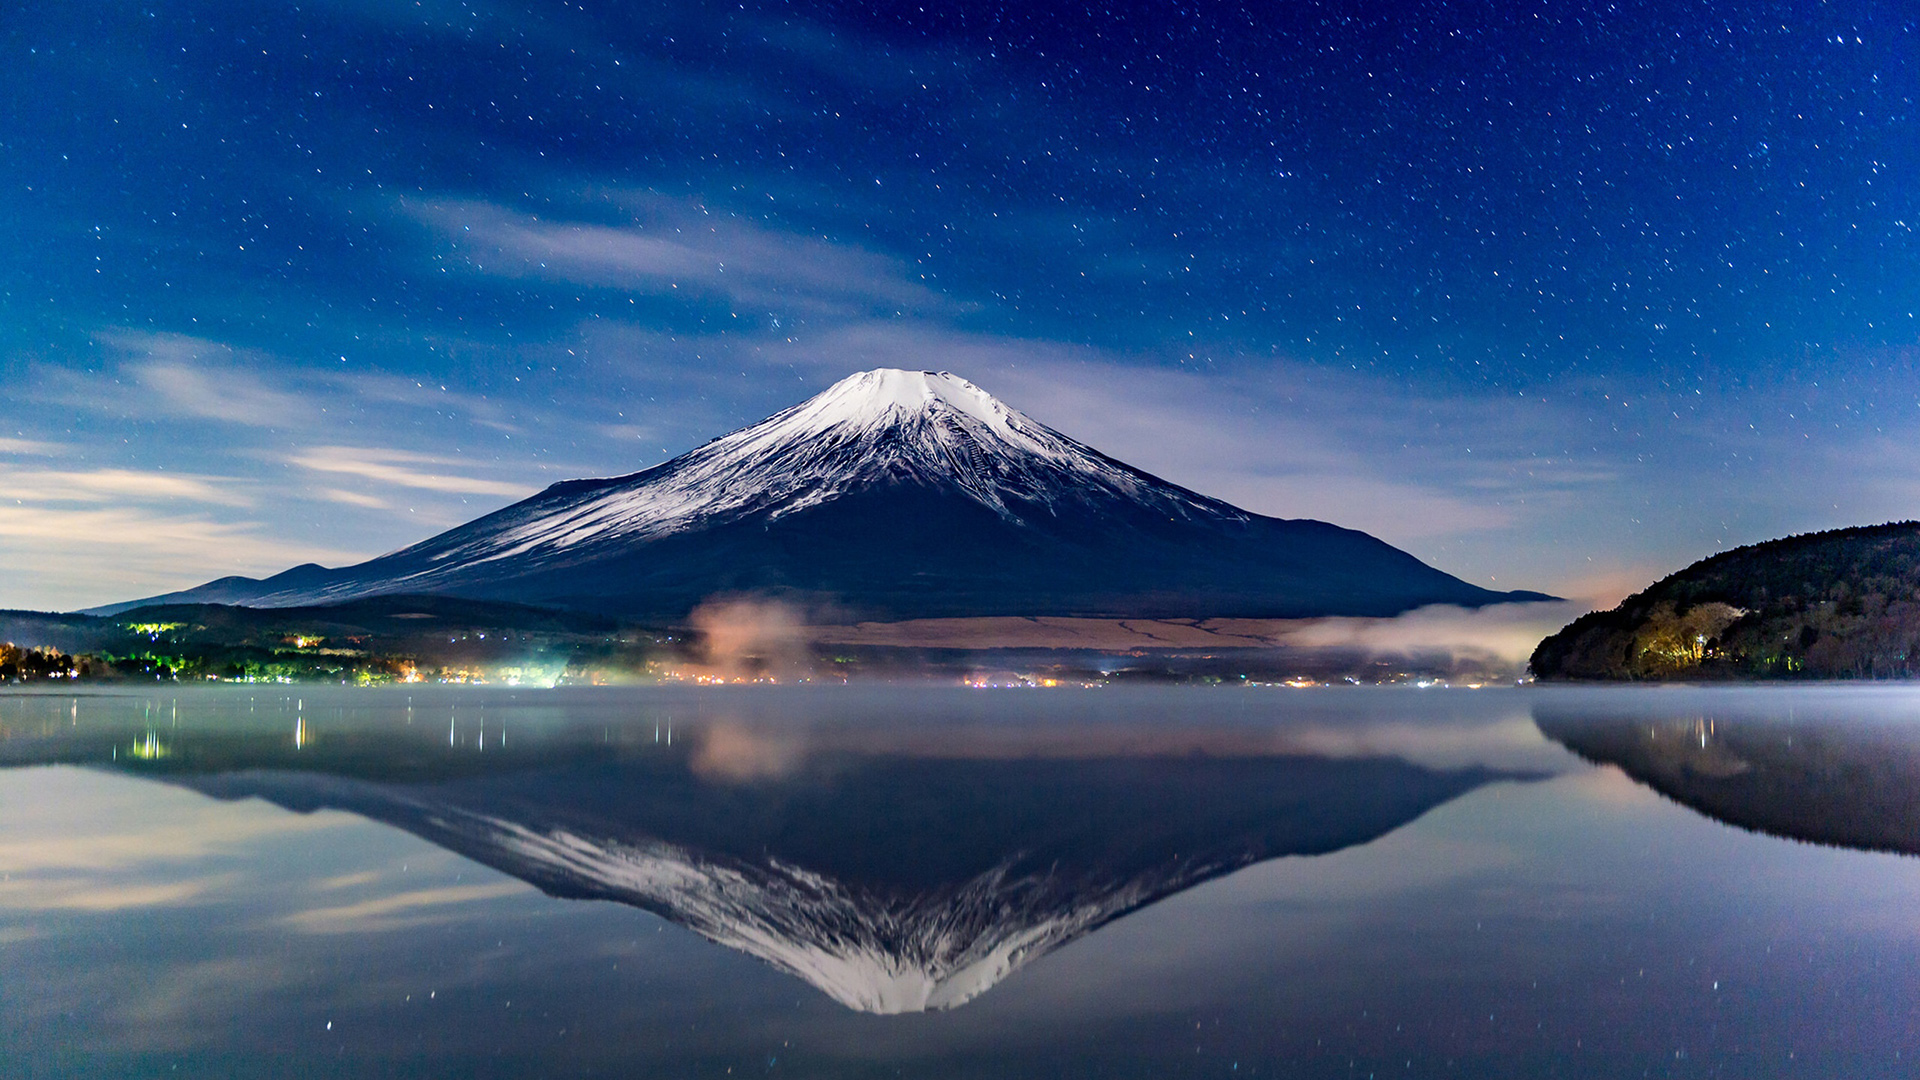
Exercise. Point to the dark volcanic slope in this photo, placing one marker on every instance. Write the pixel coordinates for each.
(1840, 604)
(893, 494)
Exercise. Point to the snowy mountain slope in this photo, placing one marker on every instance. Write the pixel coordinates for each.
(876, 427)
(893, 494)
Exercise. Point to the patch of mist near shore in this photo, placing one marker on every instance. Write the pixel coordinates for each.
(1499, 635)
(748, 637)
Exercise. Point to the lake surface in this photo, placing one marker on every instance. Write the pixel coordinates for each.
(901, 881)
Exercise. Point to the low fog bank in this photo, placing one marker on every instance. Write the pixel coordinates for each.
(744, 637)
(1498, 637)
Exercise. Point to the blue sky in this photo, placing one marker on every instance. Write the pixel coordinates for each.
(1556, 296)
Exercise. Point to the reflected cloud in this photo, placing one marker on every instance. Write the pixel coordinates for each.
(1510, 742)
(65, 821)
(165, 1014)
(78, 841)
(347, 881)
(398, 911)
(50, 894)
(1491, 739)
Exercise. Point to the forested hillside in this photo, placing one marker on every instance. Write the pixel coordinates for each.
(1833, 605)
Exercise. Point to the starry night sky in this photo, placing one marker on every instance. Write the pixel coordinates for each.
(1555, 295)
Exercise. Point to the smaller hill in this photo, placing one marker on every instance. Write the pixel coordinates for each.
(1843, 604)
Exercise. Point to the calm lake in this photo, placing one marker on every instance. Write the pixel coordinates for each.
(915, 881)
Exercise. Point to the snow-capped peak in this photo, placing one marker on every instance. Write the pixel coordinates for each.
(874, 396)
(871, 401)
(885, 426)
(869, 395)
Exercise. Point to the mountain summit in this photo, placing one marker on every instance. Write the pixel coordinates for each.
(891, 495)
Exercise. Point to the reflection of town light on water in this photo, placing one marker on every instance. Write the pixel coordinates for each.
(148, 748)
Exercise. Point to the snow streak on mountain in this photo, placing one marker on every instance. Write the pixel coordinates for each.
(893, 494)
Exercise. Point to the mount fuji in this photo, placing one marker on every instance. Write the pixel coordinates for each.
(891, 495)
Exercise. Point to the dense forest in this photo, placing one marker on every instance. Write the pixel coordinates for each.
(1843, 604)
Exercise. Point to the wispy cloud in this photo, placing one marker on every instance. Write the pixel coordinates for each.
(404, 469)
(97, 555)
(376, 389)
(352, 498)
(116, 485)
(179, 375)
(628, 432)
(107, 534)
(673, 247)
(259, 474)
(32, 447)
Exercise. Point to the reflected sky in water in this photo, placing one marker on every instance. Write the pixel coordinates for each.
(1155, 882)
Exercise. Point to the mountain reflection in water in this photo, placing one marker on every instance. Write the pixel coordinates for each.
(896, 867)
(1840, 769)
